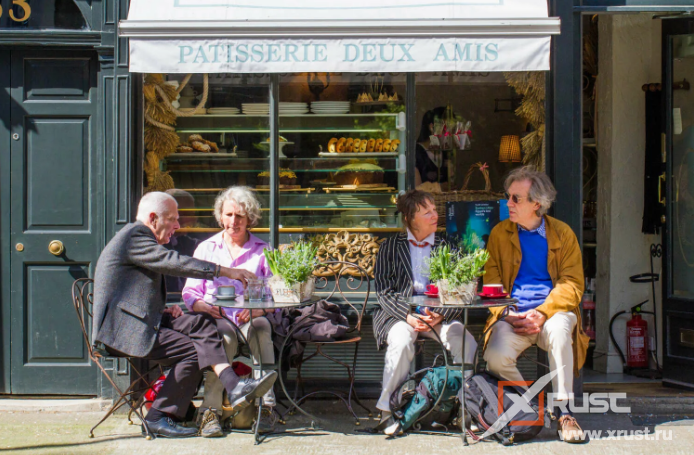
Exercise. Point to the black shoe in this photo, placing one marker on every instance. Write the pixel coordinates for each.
(247, 390)
(167, 428)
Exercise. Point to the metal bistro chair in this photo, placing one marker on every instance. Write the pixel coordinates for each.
(353, 277)
(81, 300)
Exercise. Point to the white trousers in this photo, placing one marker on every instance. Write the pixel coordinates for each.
(556, 338)
(401, 350)
(261, 341)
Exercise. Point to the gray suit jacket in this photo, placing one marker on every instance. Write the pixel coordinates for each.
(130, 291)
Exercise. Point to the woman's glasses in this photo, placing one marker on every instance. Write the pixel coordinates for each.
(514, 198)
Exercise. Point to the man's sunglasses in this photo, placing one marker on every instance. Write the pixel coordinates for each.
(514, 198)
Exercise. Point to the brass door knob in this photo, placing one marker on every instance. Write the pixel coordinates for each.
(56, 247)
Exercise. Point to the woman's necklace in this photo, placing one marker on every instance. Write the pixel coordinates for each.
(234, 250)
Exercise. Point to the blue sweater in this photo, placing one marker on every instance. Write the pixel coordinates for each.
(533, 283)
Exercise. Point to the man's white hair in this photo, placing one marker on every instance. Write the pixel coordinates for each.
(154, 202)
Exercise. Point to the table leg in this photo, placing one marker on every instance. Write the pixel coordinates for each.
(462, 402)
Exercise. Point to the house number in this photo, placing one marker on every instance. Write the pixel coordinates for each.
(26, 9)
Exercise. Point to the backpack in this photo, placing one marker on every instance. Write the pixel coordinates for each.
(408, 403)
(482, 405)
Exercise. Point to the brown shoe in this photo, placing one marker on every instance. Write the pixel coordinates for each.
(569, 430)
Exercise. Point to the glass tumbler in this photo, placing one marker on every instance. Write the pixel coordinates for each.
(256, 289)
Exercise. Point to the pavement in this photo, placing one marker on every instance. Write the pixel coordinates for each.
(49, 431)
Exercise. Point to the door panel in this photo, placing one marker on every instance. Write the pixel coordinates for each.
(678, 285)
(54, 196)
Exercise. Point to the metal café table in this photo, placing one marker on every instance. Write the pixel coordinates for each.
(477, 304)
(240, 303)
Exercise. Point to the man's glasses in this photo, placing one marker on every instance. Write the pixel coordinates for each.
(514, 198)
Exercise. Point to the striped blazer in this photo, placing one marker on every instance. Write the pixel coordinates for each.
(393, 279)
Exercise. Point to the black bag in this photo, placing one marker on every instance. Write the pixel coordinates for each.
(482, 404)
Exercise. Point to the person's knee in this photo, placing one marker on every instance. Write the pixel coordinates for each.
(498, 358)
(559, 332)
(400, 341)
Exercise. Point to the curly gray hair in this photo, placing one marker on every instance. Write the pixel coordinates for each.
(541, 188)
(244, 198)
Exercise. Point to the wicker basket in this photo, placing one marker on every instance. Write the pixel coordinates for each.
(466, 195)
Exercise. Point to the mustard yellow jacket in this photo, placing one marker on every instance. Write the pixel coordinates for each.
(564, 264)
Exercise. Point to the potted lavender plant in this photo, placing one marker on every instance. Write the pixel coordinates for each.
(456, 273)
(292, 270)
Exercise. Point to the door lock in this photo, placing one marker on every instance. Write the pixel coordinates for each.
(56, 247)
(19, 247)
(15, 136)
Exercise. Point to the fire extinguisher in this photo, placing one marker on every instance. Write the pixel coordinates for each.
(637, 340)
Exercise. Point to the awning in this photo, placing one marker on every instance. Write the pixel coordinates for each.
(280, 36)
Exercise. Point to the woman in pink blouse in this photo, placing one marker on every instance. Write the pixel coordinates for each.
(237, 210)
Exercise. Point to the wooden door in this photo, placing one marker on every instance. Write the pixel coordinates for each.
(55, 197)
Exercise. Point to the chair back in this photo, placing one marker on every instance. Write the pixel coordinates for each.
(82, 299)
(355, 276)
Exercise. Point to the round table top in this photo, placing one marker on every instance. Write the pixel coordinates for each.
(265, 304)
(477, 304)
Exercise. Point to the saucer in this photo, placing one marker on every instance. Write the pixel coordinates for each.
(431, 294)
(493, 296)
(225, 297)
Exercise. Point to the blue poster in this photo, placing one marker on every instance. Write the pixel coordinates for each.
(470, 222)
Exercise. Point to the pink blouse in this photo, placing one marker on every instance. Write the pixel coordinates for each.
(214, 250)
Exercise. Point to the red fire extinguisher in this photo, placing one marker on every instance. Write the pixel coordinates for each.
(637, 340)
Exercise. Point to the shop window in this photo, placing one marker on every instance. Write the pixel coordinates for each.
(41, 15)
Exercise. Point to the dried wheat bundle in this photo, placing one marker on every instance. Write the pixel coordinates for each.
(162, 142)
(531, 85)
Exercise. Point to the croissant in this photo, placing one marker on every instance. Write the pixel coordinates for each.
(387, 145)
(332, 145)
(213, 146)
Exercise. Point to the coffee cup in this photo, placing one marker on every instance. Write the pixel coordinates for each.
(226, 291)
(493, 289)
(432, 289)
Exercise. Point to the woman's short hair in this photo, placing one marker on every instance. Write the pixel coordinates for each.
(153, 202)
(541, 188)
(244, 198)
(410, 202)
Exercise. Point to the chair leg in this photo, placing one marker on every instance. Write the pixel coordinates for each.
(353, 392)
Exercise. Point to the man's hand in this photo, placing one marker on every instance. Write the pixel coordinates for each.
(528, 323)
(201, 306)
(237, 274)
(175, 311)
(436, 318)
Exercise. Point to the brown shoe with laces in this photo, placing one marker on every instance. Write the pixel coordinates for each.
(569, 430)
(210, 427)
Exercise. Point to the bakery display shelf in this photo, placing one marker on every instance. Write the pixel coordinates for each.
(360, 189)
(207, 156)
(327, 129)
(260, 190)
(308, 115)
(337, 155)
(177, 170)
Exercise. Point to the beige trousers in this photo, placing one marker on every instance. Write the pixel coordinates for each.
(556, 338)
(401, 350)
(260, 342)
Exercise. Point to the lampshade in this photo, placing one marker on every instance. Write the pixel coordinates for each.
(510, 149)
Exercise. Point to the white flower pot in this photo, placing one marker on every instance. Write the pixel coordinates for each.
(460, 295)
(299, 292)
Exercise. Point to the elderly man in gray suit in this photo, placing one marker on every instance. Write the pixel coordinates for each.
(131, 317)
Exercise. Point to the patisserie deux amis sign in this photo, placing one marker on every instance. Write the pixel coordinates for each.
(281, 36)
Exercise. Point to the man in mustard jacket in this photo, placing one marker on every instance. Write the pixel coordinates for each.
(538, 260)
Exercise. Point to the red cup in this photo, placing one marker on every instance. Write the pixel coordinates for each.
(432, 289)
(493, 289)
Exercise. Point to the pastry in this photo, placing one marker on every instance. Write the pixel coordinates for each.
(356, 146)
(332, 145)
(349, 144)
(379, 145)
(341, 145)
(370, 145)
(201, 147)
(359, 174)
(195, 137)
(213, 146)
(394, 145)
(387, 145)
(184, 149)
(363, 145)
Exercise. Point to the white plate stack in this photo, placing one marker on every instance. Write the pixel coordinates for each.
(330, 107)
(256, 108)
(287, 108)
(223, 111)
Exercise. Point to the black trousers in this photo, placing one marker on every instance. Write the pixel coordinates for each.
(190, 344)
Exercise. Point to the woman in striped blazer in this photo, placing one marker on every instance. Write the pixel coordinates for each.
(398, 275)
